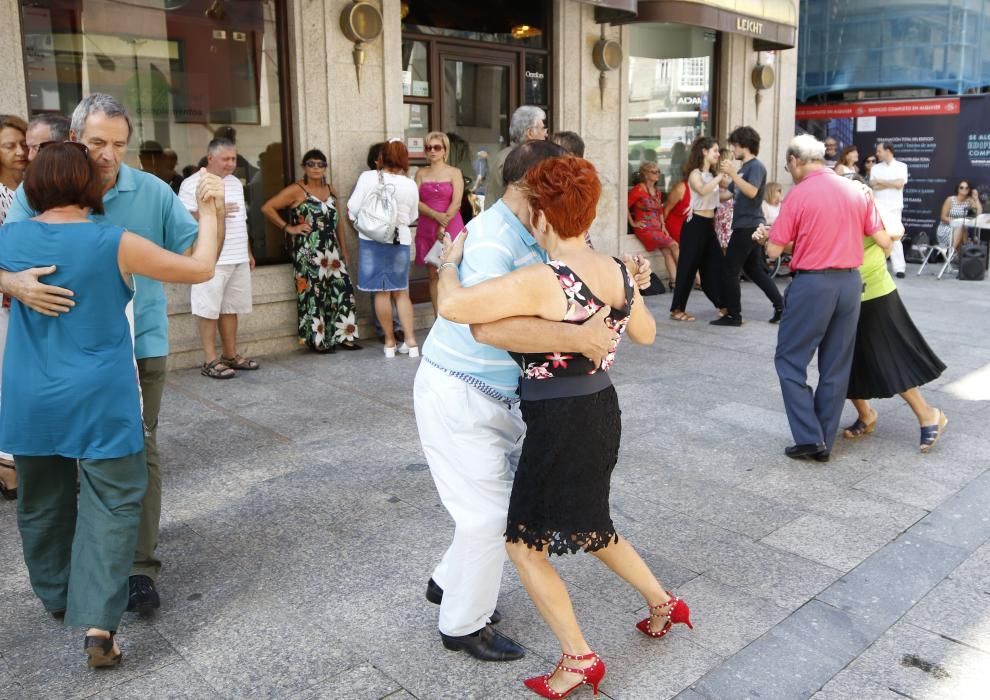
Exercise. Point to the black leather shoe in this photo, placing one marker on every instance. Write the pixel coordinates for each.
(485, 645)
(777, 313)
(142, 597)
(727, 321)
(807, 450)
(822, 456)
(434, 594)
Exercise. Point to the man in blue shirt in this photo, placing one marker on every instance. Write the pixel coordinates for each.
(142, 204)
(469, 422)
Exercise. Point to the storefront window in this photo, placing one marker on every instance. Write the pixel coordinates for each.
(186, 70)
(671, 80)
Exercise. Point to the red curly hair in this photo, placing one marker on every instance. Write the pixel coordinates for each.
(566, 190)
(394, 155)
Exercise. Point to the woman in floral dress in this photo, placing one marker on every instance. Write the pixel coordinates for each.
(324, 295)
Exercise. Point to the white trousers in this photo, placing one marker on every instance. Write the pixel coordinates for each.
(897, 250)
(472, 444)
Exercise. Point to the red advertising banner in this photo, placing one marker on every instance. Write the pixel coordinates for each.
(906, 108)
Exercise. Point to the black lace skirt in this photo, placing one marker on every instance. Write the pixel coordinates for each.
(560, 494)
(890, 355)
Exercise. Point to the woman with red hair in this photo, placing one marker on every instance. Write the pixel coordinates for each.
(559, 500)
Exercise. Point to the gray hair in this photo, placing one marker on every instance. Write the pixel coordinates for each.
(219, 143)
(99, 102)
(806, 149)
(58, 125)
(524, 119)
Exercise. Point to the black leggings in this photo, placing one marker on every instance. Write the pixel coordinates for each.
(746, 255)
(700, 252)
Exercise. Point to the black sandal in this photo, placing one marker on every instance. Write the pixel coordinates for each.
(217, 370)
(350, 345)
(859, 428)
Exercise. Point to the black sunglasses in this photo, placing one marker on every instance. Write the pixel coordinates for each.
(74, 144)
(315, 164)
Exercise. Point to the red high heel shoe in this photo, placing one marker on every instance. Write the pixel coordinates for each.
(592, 676)
(678, 613)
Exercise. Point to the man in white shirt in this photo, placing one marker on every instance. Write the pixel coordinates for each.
(218, 302)
(887, 178)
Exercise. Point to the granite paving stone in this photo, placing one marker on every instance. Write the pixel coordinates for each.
(300, 524)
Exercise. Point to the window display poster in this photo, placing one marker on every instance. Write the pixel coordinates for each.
(941, 140)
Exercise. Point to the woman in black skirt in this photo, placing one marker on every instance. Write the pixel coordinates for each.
(559, 501)
(890, 356)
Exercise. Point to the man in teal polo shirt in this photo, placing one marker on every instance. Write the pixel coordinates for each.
(145, 205)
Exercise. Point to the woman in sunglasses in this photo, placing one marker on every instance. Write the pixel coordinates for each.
(441, 187)
(324, 295)
(955, 209)
(70, 389)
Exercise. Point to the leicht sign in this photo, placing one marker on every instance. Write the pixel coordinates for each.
(750, 26)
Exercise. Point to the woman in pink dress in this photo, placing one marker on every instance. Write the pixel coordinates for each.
(441, 188)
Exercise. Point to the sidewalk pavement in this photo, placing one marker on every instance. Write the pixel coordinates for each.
(300, 526)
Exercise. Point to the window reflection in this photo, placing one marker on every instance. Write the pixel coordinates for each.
(185, 69)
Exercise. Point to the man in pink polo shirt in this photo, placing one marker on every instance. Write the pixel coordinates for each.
(823, 219)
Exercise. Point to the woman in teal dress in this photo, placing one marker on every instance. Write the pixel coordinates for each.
(324, 295)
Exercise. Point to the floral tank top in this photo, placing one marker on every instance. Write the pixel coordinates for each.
(582, 304)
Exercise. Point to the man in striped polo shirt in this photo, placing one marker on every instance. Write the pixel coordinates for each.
(469, 421)
(218, 302)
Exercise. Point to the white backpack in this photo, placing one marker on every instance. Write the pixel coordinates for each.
(379, 213)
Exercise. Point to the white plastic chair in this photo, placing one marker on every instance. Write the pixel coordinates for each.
(945, 248)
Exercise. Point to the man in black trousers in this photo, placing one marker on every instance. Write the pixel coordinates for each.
(743, 253)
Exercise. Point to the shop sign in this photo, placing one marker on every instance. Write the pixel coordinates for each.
(749, 26)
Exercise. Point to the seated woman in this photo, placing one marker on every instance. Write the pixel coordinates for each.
(957, 207)
(71, 391)
(884, 324)
(646, 218)
(559, 501)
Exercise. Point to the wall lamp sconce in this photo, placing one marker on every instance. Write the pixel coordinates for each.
(361, 22)
(763, 77)
(607, 57)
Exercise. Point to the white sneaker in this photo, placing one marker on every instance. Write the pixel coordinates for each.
(414, 351)
(403, 349)
(390, 352)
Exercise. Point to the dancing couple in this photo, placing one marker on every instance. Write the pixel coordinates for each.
(560, 322)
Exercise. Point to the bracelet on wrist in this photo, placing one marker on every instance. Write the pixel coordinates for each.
(444, 266)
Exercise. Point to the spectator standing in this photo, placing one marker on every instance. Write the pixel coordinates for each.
(831, 148)
(847, 163)
(676, 209)
(823, 220)
(771, 202)
(141, 203)
(217, 303)
(383, 268)
(888, 178)
(73, 393)
(324, 295)
(570, 141)
(743, 254)
(528, 123)
(441, 187)
(868, 164)
(48, 126)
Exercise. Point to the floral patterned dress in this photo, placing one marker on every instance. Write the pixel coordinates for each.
(647, 209)
(324, 295)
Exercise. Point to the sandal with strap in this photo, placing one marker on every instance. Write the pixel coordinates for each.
(240, 362)
(677, 613)
(859, 428)
(100, 651)
(217, 370)
(591, 675)
(931, 433)
(681, 316)
(9, 493)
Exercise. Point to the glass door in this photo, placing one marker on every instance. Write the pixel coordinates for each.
(477, 91)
